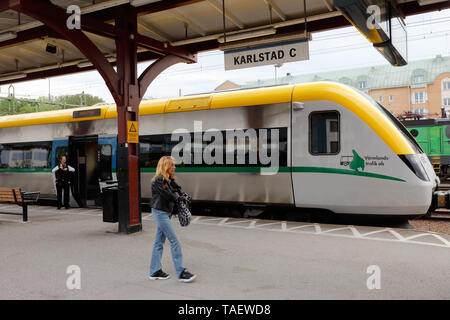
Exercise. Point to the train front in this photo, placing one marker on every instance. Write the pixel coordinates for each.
(419, 163)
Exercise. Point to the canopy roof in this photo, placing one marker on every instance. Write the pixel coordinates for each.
(193, 25)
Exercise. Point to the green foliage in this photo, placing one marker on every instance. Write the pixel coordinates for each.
(78, 99)
(18, 106)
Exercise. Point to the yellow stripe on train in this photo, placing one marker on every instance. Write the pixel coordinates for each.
(335, 92)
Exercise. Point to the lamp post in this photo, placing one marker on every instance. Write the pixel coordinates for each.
(278, 65)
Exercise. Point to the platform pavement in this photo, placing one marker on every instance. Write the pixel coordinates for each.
(233, 258)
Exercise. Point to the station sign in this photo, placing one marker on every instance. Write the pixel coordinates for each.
(267, 55)
(132, 132)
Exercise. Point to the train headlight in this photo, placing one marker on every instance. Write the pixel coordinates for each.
(414, 162)
(441, 199)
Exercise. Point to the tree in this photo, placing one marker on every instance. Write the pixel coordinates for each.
(81, 99)
(12, 105)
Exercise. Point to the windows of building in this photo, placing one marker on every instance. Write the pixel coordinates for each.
(380, 98)
(446, 84)
(362, 84)
(422, 111)
(419, 97)
(446, 102)
(345, 80)
(391, 98)
(419, 78)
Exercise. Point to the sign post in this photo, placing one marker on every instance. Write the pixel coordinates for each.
(132, 132)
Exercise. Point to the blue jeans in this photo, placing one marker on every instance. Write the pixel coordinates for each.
(165, 230)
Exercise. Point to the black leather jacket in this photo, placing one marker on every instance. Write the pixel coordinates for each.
(164, 194)
(63, 177)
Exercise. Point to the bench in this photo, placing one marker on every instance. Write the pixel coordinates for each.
(17, 196)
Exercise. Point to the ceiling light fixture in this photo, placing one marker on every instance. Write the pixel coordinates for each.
(137, 3)
(87, 63)
(8, 36)
(84, 64)
(13, 76)
(51, 48)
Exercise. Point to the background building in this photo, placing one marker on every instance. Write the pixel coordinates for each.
(421, 87)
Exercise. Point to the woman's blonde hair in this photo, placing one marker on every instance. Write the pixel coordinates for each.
(163, 167)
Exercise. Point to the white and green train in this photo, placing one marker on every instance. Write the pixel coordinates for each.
(318, 145)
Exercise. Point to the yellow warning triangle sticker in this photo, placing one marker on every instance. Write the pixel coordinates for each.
(132, 128)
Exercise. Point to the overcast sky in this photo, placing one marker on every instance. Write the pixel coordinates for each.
(344, 48)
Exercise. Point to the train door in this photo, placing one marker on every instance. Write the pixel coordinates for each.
(83, 156)
(316, 136)
(106, 160)
(61, 148)
(435, 138)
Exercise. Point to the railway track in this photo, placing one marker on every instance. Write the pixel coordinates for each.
(444, 187)
(440, 214)
(439, 217)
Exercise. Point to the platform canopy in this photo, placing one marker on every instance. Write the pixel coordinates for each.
(31, 50)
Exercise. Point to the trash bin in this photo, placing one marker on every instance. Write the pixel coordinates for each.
(110, 210)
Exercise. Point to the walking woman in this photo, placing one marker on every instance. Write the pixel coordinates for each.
(164, 196)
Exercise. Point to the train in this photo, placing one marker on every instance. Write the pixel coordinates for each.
(433, 135)
(321, 145)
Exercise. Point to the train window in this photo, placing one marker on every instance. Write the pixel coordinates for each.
(60, 151)
(447, 132)
(105, 163)
(324, 133)
(106, 150)
(414, 133)
(244, 148)
(152, 148)
(36, 155)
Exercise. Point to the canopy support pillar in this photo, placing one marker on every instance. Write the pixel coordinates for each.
(125, 86)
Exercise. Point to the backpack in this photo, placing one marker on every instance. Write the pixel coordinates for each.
(183, 210)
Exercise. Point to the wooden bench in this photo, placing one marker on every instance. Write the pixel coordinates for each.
(17, 196)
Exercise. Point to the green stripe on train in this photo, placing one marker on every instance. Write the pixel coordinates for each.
(248, 170)
(224, 169)
(281, 169)
(344, 171)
